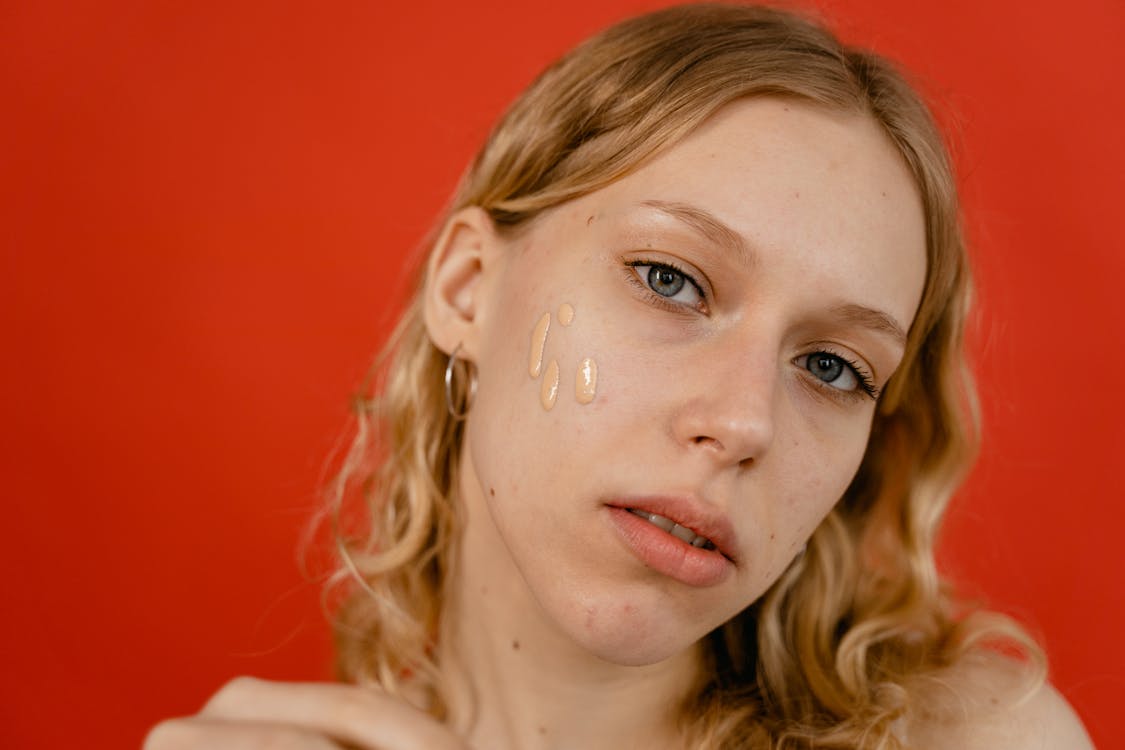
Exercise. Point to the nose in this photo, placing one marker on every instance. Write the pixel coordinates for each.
(730, 416)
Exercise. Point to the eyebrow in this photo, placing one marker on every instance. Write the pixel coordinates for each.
(712, 228)
(868, 317)
(707, 224)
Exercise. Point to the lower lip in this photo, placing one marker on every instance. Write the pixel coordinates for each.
(666, 554)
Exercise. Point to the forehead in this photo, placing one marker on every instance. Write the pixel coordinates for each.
(814, 192)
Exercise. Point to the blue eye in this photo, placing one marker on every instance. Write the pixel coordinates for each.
(669, 283)
(835, 371)
(666, 282)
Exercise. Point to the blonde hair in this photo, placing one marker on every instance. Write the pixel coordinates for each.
(839, 647)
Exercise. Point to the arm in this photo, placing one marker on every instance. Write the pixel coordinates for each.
(251, 713)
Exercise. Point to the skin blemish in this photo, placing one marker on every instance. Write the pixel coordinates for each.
(550, 390)
(542, 730)
(566, 314)
(538, 341)
(515, 645)
(492, 491)
(586, 381)
(590, 220)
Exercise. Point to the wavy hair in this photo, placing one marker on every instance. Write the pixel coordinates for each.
(839, 649)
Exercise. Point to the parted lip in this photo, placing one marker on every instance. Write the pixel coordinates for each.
(689, 512)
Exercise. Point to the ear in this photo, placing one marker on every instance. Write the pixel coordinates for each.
(457, 264)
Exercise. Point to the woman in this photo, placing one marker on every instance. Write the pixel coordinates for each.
(668, 430)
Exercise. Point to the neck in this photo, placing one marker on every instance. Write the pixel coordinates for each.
(516, 681)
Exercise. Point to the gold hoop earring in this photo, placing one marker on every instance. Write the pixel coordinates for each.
(458, 415)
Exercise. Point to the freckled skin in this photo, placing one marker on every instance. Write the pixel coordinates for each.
(711, 406)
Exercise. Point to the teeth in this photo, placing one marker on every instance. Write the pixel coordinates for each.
(682, 533)
(665, 523)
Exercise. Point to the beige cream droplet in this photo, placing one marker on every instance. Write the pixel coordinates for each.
(538, 341)
(549, 391)
(566, 314)
(586, 381)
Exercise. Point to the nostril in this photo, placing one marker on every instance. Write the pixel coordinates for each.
(715, 446)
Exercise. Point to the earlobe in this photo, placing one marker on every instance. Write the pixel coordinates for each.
(453, 280)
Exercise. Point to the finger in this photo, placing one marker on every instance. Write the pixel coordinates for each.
(367, 717)
(196, 733)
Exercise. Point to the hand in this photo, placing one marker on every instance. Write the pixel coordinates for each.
(250, 713)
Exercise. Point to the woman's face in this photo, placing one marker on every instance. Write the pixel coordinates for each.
(742, 299)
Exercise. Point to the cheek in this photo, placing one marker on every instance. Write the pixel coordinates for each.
(811, 495)
(539, 383)
(557, 366)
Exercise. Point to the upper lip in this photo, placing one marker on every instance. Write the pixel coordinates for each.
(692, 513)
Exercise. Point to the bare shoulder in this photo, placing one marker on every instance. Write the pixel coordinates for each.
(987, 701)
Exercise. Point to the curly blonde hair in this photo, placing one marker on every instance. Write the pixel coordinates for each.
(840, 646)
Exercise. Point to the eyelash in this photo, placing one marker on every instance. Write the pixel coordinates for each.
(866, 387)
(660, 300)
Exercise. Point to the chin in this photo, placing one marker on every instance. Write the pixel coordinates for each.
(627, 634)
(627, 650)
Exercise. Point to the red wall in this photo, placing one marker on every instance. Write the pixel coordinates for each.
(204, 212)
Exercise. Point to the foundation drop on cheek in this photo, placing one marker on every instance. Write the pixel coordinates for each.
(538, 341)
(550, 389)
(586, 381)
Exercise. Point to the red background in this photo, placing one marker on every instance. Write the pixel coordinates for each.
(204, 211)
